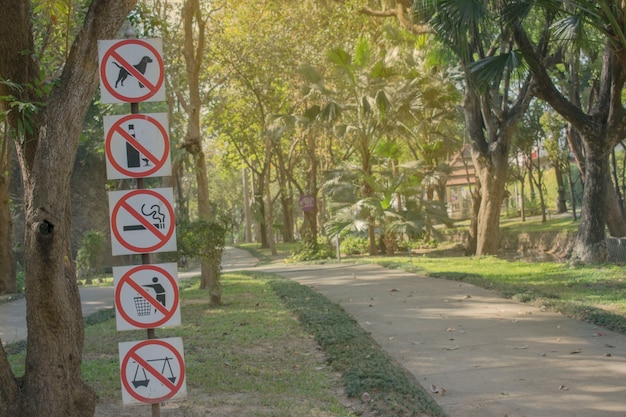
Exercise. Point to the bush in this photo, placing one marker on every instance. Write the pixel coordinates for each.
(319, 250)
(354, 245)
(90, 258)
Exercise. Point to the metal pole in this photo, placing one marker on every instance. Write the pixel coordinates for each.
(146, 258)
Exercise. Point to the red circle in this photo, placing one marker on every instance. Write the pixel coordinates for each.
(127, 245)
(121, 169)
(111, 90)
(126, 316)
(128, 357)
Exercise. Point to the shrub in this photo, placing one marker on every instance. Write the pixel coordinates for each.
(354, 245)
(312, 251)
(90, 257)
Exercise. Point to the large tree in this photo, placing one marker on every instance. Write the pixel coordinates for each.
(46, 137)
(601, 124)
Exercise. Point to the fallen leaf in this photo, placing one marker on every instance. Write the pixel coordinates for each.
(608, 355)
(563, 388)
(598, 334)
(575, 351)
(394, 290)
(450, 329)
(455, 347)
(609, 346)
(521, 347)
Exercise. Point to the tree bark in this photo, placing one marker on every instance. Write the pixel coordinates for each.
(492, 172)
(590, 245)
(7, 260)
(52, 384)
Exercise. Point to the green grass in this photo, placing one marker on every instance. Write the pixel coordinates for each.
(592, 293)
(254, 349)
(264, 255)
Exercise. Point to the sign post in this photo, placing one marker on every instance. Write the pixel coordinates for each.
(142, 220)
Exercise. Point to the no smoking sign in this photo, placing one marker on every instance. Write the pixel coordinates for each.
(142, 221)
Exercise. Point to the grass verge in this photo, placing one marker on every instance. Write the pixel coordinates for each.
(252, 357)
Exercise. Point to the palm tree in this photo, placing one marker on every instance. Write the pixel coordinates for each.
(396, 206)
(492, 109)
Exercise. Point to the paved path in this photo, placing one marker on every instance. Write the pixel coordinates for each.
(494, 357)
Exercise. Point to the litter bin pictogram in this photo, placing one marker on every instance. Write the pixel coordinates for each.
(143, 306)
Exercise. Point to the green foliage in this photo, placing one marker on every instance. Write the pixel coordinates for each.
(202, 239)
(353, 245)
(312, 251)
(90, 257)
(26, 110)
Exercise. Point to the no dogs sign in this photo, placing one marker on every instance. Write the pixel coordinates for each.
(131, 70)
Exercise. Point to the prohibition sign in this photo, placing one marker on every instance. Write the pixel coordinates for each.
(146, 296)
(131, 71)
(142, 221)
(152, 371)
(137, 146)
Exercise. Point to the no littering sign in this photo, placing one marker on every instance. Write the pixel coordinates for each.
(152, 371)
(146, 296)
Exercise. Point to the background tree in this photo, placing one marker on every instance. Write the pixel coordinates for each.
(492, 109)
(46, 138)
(601, 124)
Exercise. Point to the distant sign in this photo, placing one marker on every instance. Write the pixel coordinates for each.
(131, 70)
(137, 146)
(152, 371)
(146, 296)
(142, 221)
(307, 202)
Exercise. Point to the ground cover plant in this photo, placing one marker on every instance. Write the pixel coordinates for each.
(253, 357)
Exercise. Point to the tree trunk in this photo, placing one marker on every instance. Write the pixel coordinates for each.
(7, 261)
(614, 218)
(491, 170)
(471, 241)
(52, 384)
(590, 244)
(561, 204)
(246, 208)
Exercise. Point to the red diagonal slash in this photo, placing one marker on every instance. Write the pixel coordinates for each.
(133, 71)
(145, 294)
(133, 141)
(153, 371)
(141, 219)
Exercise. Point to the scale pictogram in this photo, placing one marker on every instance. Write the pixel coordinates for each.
(142, 221)
(152, 371)
(131, 70)
(137, 146)
(146, 296)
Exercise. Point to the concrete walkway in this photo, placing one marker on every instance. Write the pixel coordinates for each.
(492, 357)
